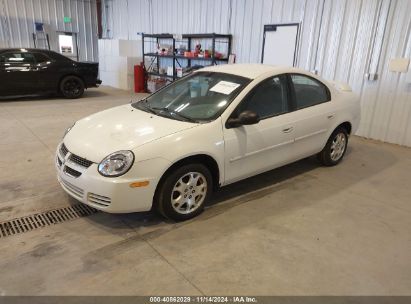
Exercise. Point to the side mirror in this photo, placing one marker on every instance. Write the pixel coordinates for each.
(245, 118)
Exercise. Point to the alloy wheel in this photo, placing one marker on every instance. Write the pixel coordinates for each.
(189, 192)
(72, 87)
(338, 147)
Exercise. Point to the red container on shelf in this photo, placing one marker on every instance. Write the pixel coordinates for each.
(139, 76)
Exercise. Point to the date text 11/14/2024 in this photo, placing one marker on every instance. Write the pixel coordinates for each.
(204, 299)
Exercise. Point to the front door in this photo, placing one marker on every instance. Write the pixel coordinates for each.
(48, 72)
(256, 148)
(18, 73)
(3, 78)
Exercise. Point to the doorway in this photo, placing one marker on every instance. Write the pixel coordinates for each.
(67, 42)
(280, 44)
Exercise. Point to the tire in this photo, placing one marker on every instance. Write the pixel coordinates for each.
(177, 199)
(72, 87)
(335, 148)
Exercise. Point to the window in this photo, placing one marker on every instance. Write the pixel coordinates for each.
(308, 91)
(40, 58)
(201, 96)
(17, 58)
(268, 99)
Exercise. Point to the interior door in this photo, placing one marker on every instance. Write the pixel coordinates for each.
(280, 43)
(252, 149)
(68, 45)
(313, 116)
(18, 70)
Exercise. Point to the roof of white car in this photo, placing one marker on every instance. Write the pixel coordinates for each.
(251, 70)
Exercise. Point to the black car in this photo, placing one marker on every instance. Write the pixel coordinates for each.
(36, 71)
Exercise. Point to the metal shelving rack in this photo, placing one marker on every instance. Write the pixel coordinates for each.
(187, 39)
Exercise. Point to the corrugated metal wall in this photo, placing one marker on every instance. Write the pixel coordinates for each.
(17, 19)
(342, 39)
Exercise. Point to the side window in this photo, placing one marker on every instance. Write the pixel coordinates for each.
(269, 98)
(17, 58)
(308, 91)
(40, 58)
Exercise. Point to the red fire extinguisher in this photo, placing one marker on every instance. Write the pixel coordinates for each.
(139, 78)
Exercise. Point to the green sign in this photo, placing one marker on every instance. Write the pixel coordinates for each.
(67, 19)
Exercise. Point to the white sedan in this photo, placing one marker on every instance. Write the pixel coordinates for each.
(217, 126)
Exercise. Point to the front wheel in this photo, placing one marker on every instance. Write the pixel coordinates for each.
(335, 148)
(184, 192)
(72, 87)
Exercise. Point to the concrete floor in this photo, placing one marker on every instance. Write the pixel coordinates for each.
(298, 230)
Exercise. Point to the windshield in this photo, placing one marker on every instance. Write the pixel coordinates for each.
(202, 96)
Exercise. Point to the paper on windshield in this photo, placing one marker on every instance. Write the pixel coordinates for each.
(225, 87)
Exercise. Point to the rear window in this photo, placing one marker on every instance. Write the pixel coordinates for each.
(309, 91)
(58, 56)
(40, 58)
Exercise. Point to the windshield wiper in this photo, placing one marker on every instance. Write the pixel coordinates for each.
(148, 109)
(171, 112)
(140, 104)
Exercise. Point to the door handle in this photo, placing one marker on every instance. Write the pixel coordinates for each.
(331, 116)
(288, 130)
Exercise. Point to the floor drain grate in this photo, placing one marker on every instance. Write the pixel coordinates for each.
(44, 219)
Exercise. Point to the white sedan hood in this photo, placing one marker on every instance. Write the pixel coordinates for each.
(119, 128)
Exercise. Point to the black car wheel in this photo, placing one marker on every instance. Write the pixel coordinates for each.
(184, 192)
(72, 87)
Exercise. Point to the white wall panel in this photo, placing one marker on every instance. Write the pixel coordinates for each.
(342, 39)
(17, 19)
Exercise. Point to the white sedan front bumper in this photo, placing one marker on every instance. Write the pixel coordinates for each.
(81, 180)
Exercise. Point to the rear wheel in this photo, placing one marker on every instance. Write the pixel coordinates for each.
(184, 192)
(335, 148)
(72, 87)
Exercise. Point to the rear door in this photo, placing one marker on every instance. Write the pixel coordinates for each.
(313, 114)
(18, 73)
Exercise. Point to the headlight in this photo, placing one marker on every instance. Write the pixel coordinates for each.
(116, 164)
(68, 130)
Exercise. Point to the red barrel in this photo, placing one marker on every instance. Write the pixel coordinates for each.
(139, 78)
